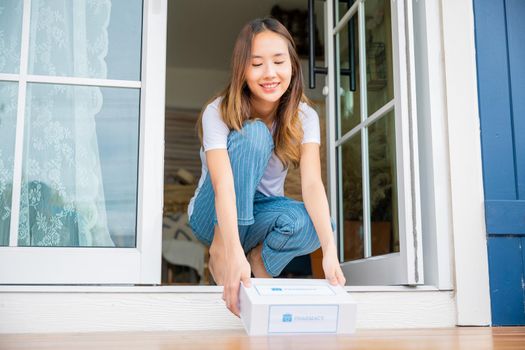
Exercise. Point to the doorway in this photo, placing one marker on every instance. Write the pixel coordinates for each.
(200, 39)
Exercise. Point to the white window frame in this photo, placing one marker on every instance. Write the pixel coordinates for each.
(406, 266)
(94, 265)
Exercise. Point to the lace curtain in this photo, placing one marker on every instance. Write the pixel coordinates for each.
(62, 198)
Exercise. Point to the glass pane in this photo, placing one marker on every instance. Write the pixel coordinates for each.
(383, 185)
(342, 8)
(79, 176)
(380, 84)
(10, 35)
(352, 199)
(89, 39)
(350, 110)
(8, 107)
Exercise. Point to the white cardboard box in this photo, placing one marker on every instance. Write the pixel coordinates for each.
(286, 305)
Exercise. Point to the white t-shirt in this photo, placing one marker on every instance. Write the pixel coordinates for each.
(215, 136)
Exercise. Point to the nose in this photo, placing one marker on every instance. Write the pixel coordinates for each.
(269, 71)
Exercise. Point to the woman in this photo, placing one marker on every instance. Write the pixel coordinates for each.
(251, 133)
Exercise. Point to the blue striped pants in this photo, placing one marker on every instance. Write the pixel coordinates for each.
(281, 223)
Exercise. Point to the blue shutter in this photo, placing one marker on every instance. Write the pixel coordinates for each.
(500, 30)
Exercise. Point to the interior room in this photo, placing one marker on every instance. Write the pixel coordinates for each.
(200, 36)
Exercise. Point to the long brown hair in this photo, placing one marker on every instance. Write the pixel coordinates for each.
(235, 106)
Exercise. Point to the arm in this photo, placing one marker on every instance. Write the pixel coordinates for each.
(234, 265)
(316, 204)
(222, 180)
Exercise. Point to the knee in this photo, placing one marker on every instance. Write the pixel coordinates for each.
(254, 135)
(305, 230)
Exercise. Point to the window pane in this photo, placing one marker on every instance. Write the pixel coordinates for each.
(79, 176)
(383, 185)
(8, 107)
(352, 198)
(10, 35)
(380, 84)
(83, 38)
(342, 8)
(350, 110)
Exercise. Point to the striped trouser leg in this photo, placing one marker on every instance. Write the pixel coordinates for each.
(249, 151)
(286, 230)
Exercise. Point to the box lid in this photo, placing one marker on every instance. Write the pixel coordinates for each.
(295, 291)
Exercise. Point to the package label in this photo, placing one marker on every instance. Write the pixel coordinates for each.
(295, 290)
(303, 318)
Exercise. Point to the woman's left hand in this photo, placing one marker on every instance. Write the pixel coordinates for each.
(331, 267)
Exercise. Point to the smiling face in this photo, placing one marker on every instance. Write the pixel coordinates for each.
(269, 70)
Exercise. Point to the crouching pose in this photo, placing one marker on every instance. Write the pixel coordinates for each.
(256, 128)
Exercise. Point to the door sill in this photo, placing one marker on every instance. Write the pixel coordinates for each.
(59, 309)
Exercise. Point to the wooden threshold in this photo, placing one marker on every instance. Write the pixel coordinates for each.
(478, 338)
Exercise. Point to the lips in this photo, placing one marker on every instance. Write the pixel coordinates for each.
(269, 87)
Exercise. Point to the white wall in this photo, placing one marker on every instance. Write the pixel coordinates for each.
(213, 27)
(190, 88)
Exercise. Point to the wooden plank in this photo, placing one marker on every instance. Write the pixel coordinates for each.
(186, 128)
(183, 164)
(190, 157)
(505, 217)
(223, 339)
(516, 33)
(500, 55)
(506, 278)
(182, 145)
(494, 100)
(523, 267)
(186, 152)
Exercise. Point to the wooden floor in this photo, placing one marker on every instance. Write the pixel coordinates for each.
(475, 338)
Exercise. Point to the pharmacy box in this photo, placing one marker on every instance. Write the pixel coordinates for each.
(286, 305)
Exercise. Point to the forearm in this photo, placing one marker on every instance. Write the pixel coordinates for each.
(227, 218)
(316, 204)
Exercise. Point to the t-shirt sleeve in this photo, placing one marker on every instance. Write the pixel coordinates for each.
(310, 123)
(214, 130)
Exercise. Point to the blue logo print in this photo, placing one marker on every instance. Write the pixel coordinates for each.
(275, 289)
(287, 317)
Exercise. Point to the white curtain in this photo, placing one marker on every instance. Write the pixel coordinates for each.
(62, 199)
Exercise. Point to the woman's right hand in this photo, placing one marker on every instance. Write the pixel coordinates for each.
(236, 270)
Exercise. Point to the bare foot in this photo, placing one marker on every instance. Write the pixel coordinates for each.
(254, 257)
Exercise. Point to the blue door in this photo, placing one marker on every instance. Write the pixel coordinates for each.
(500, 48)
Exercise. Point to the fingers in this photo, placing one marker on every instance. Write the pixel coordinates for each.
(232, 298)
(333, 280)
(247, 282)
(336, 278)
(341, 278)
